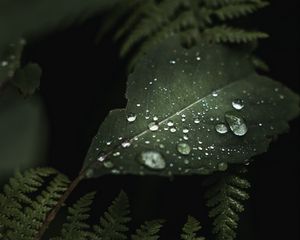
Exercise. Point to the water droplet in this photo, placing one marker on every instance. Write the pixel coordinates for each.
(153, 126)
(170, 124)
(185, 130)
(126, 144)
(131, 117)
(138, 105)
(152, 159)
(172, 62)
(101, 157)
(172, 129)
(185, 137)
(214, 94)
(155, 118)
(221, 128)
(184, 148)
(260, 124)
(222, 166)
(108, 143)
(238, 104)
(236, 124)
(198, 58)
(197, 121)
(108, 164)
(116, 154)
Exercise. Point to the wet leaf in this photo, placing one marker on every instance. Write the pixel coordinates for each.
(190, 112)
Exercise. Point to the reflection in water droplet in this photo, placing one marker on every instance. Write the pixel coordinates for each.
(236, 124)
(197, 121)
(214, 94)
(101, 157)
(108, 164)
(153, 126)
(222, 166)
(238, 104)
(152, 159)
(172, 62)
(155, 118)
(170, 124)
(198, 58)
(184, 148)
(108, 143)
(221, 128)
(131, 117)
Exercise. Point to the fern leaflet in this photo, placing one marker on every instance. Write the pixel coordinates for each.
(190, 229)
(148, 231)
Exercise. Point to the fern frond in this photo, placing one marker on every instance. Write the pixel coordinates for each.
(238, 10)
(19, 214)
(148, 231)
(112, 225)
(224, 197)
(225, 34)
(76, 228)
(190, 229)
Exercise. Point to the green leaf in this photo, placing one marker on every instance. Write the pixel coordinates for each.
(30, 18)
(190, 229)
(27, 79)
(148, 231)
(177, 98)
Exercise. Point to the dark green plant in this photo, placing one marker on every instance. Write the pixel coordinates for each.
(219, 114)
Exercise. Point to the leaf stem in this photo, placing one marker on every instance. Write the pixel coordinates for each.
(52, 214)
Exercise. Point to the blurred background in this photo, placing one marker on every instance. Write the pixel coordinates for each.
(82, 81)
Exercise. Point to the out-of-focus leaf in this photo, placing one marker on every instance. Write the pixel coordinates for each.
(31, 17)
(23, 132)
(191, 112)
(27, 79)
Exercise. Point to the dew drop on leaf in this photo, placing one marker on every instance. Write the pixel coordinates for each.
(153, 126)
(221, 128)
(126, 144)
(196, 121)
(116, 154)
(101, 157)
(152, 159)
(236, 124)
(238, 104)
(170, 124)
(183, 148)
(131, 117)
(172, 130)
(185, 130)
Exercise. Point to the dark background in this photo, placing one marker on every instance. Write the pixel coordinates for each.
(83, 81)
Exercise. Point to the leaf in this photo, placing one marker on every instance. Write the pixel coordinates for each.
(190, 229)
(148, 231)
(32, 17)
(27, 79)
(177, 98)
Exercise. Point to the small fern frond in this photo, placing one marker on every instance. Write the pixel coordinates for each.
(20, 215)
(148, 231)
(190, 229)
(76, 227)
(225, 34)
(224, 197)
(238, 10)
(112, 225)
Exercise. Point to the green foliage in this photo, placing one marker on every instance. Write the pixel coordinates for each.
(148, 22)
(34, 17)
(112, 225)
(190, 229)
(224, 197)
(27, 79)
(183, 95)
(148, 231)
(22, 214)
(76, 227)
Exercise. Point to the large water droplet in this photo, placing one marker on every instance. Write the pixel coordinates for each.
(153, 126)
(221, 128)
(101, 157)
(236, 124)
(152, 159)
(172, 130)
(131, 117)
(184, 148)
(238, 104)
(185, 130)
